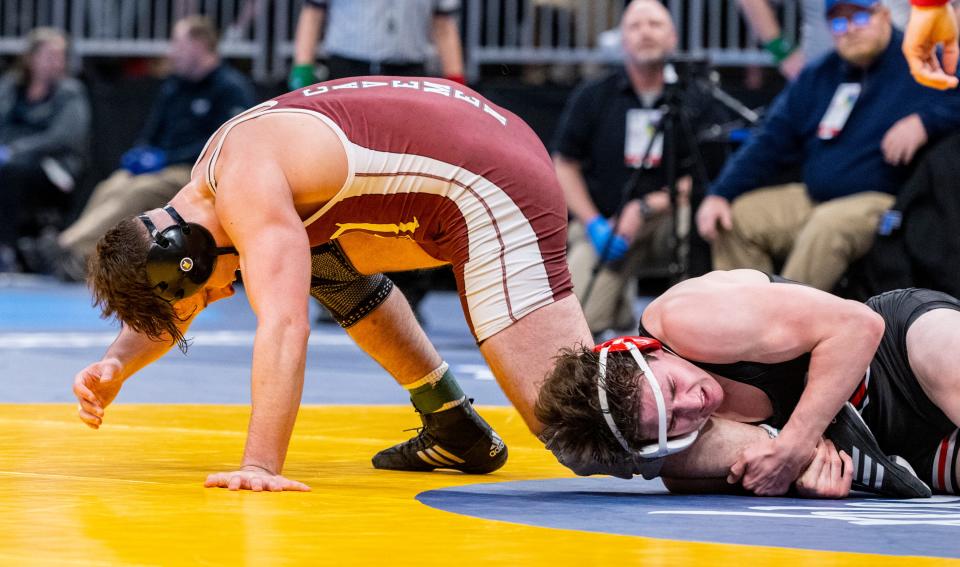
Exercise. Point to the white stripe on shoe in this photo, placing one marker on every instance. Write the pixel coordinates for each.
(867, 466)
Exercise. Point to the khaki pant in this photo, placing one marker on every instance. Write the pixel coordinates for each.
(120, 196)
(610, 305)
(817, 242)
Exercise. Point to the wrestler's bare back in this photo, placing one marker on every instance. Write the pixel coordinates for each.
(312, 164)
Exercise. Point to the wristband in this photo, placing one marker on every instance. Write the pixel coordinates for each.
(456, 79)
(780, 48)
(772, 432)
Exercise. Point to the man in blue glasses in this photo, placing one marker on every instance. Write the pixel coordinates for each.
(853, 121)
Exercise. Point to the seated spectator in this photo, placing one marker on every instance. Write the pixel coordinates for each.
(815, 39)
(44, 125)
(600, 141)
(854, 121)
(202, 93)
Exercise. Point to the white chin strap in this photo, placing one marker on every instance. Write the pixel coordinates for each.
(664, 446)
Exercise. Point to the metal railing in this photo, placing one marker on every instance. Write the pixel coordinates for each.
(140, 27)
(579, 31)
(495, 31)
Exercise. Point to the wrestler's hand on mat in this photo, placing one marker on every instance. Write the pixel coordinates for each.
(928, 26)
(252, 477)
(769, 467)
(95, 387)
(828, 475)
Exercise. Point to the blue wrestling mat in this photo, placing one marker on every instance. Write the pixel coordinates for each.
(922, 527)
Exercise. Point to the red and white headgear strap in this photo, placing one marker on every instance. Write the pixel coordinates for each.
(637, 346)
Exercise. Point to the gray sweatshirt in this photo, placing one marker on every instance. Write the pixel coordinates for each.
(57, 127)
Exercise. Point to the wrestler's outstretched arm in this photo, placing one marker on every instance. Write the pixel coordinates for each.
(98, 384)
(754, 320)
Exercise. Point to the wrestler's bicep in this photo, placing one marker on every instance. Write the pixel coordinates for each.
(256, 209)
(731, 323)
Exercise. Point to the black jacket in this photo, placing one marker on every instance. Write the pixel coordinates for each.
(925, 250)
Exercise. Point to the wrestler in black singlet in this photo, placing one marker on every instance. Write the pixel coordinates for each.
(900, 415)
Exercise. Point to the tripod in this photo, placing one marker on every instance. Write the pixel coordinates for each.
(674, 125)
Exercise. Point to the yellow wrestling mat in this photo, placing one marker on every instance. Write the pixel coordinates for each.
(131, 494)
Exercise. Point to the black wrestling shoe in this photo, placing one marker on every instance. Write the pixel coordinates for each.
(457, 438)
(873, 471)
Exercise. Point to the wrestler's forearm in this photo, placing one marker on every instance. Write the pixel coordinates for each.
(134, 351)
(279, 358)
(837, 365)
(715, 450)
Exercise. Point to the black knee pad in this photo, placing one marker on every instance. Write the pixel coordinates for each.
(346, 293)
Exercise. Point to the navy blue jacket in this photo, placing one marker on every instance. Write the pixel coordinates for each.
(852, 162)
(186, 113)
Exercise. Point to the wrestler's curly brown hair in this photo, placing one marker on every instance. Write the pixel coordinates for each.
(117, 276)
(569, 407)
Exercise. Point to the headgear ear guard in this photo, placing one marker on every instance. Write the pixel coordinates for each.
(181, 258)
(637, 346)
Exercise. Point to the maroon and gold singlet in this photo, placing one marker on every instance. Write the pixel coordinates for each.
(435, 162)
